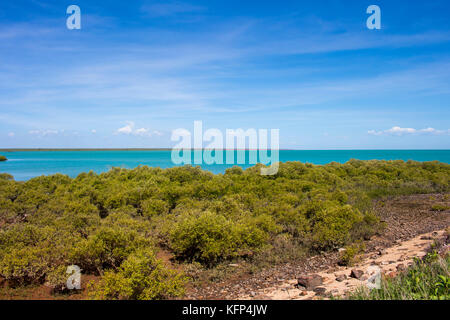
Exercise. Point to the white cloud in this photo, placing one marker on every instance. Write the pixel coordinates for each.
(11, 134)
(398, 130)
(129, 129)
(93, 131)
(403, 131)
(141, 132)
(43, 133)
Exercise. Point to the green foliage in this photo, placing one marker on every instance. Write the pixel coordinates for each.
(427, 279)
(209, 237)
(151, 207)
(56, 279)
(3, 158)
(331, 224)
(349, 256)
(100, 221)
(28, 253)
(142, 277)
(439, 207)
(24, 265)
(107, 248)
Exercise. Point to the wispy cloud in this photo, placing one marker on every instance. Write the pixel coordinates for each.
(260, 64)
(43, 133)
(348, 41)
(170, 9)
(129, 129)
(407, 131)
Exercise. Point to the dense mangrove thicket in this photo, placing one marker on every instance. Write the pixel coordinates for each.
(112, 224)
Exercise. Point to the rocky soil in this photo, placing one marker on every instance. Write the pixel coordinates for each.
(337, 281)
(412, 225)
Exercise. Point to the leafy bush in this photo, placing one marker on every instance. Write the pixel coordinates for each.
(142, 277)
(25, 265)
(28, 253)
(151, 207)
(107, 248)
(56, 279)
(332, 224)
(3, 158)
(208, 237)
(349, 256)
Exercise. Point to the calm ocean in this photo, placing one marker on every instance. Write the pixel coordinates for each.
(24, 165)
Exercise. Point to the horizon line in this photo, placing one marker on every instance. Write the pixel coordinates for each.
(194, 149)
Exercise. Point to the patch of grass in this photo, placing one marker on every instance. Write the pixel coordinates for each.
(351, 254)
(427, 279)
(439, 207)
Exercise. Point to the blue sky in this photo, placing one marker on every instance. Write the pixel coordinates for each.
(139, 69)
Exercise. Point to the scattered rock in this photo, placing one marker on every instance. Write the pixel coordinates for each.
(335, 291)
(341, 277)
(233, 265)
(309, 281)
(444, 250)
(401, 267)
(426, 238)
(377, 255)
(320, 290)
(357, 274)
(392, 274)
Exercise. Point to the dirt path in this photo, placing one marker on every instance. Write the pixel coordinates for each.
(339, 280)
(408, 218)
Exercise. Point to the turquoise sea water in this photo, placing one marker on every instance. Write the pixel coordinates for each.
(24, 165)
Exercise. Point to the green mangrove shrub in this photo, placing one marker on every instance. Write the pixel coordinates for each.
(100, 221)
(140, 277)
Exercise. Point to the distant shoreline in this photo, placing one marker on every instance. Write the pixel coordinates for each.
(169, 149)
(84, 149)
